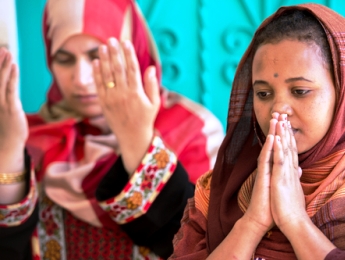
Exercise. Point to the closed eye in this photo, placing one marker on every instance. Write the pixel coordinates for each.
(300, 92)
(64, 58)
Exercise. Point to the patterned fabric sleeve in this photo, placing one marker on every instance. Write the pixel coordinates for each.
(18, 221)
(16, 214)
(149, 205)
(144, 186)
(190, 241)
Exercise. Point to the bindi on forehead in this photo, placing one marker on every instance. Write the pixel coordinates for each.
(276, 75)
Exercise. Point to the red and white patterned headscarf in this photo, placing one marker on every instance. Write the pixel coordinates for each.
(101, 19)
(71, 154)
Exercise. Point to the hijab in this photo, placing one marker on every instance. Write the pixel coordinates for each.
(72, 154)
(102, 20)
(237, 157)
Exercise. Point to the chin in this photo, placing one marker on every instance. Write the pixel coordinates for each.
(304, 149)
(91, 114)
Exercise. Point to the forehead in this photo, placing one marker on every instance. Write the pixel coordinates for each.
(286, 55)
(80, 43)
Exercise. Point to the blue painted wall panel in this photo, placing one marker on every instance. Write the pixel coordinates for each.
(200, 44)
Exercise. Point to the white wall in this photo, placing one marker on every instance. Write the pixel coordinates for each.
(8, 26)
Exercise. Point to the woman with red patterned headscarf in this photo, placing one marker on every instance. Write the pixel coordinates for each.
(277, 190)
(111, 158)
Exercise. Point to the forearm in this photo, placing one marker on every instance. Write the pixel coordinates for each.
(240, 243)
(156, 227)
(12, 193)
(12, 158)
(133, 149)
(307, 240)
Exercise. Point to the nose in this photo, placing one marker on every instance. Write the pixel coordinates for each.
(83, 74)
(282, 105)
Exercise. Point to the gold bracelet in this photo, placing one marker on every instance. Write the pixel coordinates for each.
(9, 178)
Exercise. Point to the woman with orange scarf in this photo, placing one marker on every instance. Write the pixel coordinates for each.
(278, 187)
(107, 168)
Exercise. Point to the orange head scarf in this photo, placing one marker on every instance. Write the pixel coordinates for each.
(237, 157)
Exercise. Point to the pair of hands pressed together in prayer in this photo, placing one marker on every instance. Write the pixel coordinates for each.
(277, 197)
(130, 107)
(278, 200)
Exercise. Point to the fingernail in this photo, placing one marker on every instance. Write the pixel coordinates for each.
(275, 114)
(103, 49)
(289, 124)
(152, 72)
(127, 44)
(113, 42)
(278, 138)
(284, 117)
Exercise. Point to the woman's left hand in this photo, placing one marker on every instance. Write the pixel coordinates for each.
(130, 108)
(287, 197)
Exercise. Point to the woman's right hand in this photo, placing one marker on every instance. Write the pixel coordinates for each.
(13, 122)
(259, 210)
(249, 230)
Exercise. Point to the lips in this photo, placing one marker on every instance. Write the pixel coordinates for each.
(86, 98)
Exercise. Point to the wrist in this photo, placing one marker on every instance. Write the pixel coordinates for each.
(295, 224)
(12, 178)
(307, 240)
(12, 159)
(250, 225)
(134, 148)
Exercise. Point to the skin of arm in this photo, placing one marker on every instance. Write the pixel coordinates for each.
(241, 242)
(306, 239)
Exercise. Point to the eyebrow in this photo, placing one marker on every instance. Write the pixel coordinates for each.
(262, 82)
(289, 80)
(68, 53)
(297, 79)
(93, 50)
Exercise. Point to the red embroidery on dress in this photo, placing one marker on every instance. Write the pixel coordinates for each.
(144, 185)
(84, 241)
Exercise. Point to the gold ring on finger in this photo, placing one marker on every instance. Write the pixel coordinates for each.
(110, 84)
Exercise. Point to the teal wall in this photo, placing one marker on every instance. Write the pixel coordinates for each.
(200, 43)
(34, 75)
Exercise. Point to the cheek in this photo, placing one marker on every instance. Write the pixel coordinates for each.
(263, 118)
(317, 118)
(61, 77)
(323, 109)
